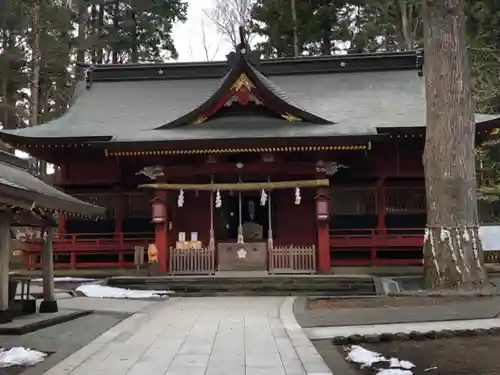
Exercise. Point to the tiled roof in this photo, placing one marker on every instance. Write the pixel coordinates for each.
(17, 183)
(356, 101)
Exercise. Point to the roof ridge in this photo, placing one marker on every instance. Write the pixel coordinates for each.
(269, 67)
(191, 64)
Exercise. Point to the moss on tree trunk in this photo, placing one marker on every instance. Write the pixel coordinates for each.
(452, 248)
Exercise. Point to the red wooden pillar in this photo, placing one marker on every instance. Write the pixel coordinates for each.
(322, 218)
(160, 221)
(61, 225)
(118, 205)
(380, 198)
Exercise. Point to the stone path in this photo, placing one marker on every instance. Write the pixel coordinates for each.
(320, 333)
(202, 336)
(106, 304)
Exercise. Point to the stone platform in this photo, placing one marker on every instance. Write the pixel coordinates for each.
(33, 322)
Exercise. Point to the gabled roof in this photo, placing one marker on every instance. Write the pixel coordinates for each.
(327, 96)
(21, 189)
(244, 84)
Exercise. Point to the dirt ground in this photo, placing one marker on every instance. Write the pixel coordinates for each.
(349, 303)
(334, 312)
(455, 356)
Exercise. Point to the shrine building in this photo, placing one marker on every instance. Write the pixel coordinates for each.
(289, 165)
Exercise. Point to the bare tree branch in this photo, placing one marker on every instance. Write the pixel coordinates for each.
(228, 16)
(208, 46)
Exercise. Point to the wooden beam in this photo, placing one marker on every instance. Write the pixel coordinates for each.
(254, 167)
(243, 186)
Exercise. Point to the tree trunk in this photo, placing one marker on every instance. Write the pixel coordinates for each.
(135, 42)
(293, 7)
(100, 32)
(81, 38)
(95, 33)
(405, 25)
(35, 73)
(116, 32)
(452, 249)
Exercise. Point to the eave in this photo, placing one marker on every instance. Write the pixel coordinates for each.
(484, 129)
(333, 144)
(43, 143)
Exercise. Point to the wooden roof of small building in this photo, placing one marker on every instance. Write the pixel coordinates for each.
(329, 96)
(20, 189)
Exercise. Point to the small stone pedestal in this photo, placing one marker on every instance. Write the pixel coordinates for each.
(29, 306)
(154, 269)
(47, 307)
(6, 316)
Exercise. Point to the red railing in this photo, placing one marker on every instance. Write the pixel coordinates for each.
(390, 237)
(349, 247)
(372, 247)
(88, 250)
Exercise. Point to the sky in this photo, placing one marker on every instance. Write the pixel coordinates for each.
(188, 36)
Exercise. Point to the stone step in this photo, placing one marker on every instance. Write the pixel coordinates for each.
(318, 285)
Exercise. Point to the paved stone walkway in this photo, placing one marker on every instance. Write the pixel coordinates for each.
(202, 336)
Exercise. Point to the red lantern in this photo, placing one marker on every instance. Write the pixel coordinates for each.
(159, 214)
(322, 209)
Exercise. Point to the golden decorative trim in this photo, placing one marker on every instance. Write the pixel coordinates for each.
(240, 150)
(199, 120)
(242, 81)
(43, 145)
(289, 117)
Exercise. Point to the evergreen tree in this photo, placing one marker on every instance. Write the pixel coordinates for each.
(452, 248)
(133, 31)
(13, 60)
(327, 27)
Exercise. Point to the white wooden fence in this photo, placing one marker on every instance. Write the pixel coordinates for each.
(292, 259)
(191, 261)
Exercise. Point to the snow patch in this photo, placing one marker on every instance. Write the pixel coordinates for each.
(368, 358)
(67, 279)
(102, 291)
(20, 356)
(394, 371)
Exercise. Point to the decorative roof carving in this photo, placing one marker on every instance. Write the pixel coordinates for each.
(245, 84)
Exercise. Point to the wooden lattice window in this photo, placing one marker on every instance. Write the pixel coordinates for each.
(104, 199)
(137, 205)
(405, 200)
(352, 201)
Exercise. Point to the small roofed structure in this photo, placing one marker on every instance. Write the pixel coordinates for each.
(26, 200)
